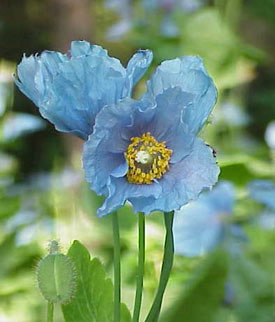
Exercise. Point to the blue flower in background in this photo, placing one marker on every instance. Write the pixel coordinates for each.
(124, 25)
(270, 135)
(132, 16)
(147, 151)
(203, 224)
(169, 27)
(70, 89)
(16, 125)
(263, 191)
(170, 5)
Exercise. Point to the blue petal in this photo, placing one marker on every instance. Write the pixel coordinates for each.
(137, 66)
(167, 124)
(201, 226)
(263, 191)
(189, 74)
(71, 89)
(266, 220)
(105, 148)
(197, 229)
(120, 190)
(222, 198)
(183, 182)
(99, 162)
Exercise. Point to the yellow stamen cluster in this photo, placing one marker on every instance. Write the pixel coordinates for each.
(147, 159)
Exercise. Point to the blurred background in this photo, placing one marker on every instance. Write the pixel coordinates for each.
(43, 194)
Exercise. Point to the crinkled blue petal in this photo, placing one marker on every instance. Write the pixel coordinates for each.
(189, 74)
(263, 191)
(137, 66)
(120, 190)
(71, 89)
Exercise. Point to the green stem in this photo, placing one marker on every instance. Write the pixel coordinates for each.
(50, 312)
(140, 272)
(167, 264)
(117, 280)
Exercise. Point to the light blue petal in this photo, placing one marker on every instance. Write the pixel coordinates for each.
(221, 198)
(99, 163)
(71, 89)
(189, 74)
(26, 71)
(138, 66)
(167, 124)
(120, 190)
(197, 230)
(263, 191)
(104, 151)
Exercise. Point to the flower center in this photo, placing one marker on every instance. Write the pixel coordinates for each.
(147, 159)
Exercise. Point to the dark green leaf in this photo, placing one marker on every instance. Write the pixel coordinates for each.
(202, 297)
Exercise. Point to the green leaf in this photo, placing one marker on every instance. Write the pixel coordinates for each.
(214, 40)
(202, 297)
(254, 291)
(94, 295)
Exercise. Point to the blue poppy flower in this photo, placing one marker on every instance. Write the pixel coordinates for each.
(263, 191)
(270, 135)
(168, 9)
(70, 89)
(203, 224)
(147, 151)
(126, 22)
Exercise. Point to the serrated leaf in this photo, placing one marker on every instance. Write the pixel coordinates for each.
(202, 297)
(93, 301)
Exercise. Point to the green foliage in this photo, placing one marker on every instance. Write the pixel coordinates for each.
(254, 291)
(94, 296)
(212, 39)
(202, 297)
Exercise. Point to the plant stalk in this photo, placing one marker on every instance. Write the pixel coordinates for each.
(50, 309)
(140, 271)
(117, 270)
(166, 268)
